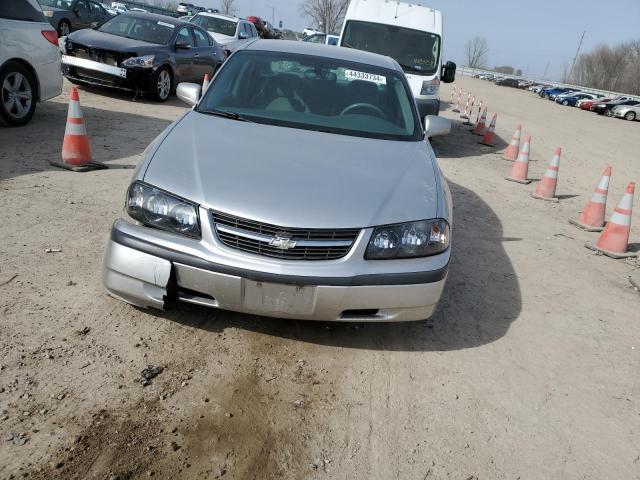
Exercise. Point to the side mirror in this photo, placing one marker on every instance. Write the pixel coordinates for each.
(182, 46)
(243, 35)
(448, 73)
(189, 93)
(434, 125)
(94, 25)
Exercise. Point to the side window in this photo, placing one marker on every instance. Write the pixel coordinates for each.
(184, 35)
(27, 10)
(96, 10)
(254, 32)
(202, 39)
(82, 9)
(247, 30)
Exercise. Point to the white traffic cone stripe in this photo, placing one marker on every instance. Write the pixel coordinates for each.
(622, 214)
(75, 129)
(74, 110)
(604, 183)
(626, 203)
(620, 219)
(599, 198)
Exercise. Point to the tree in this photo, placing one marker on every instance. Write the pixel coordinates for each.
(506, 69)
(226, 7)
(476, 51)
(328, 15)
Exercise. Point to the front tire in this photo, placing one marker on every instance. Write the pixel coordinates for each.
(17, 95)
(608, 113)
(565, 103)
(162, 84)
(64, 28)
(631, 116)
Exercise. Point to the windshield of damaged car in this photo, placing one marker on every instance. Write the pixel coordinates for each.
(216, 25)
(64, 4)
(314, 93)
(143, 29)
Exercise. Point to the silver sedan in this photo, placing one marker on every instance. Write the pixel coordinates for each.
(301, 185)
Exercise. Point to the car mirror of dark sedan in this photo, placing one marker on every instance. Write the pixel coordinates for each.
(182, 46)
(189, 93)
(434, 125)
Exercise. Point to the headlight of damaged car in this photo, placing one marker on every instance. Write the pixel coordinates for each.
(160, 209)
(145, 61)
(409, 240)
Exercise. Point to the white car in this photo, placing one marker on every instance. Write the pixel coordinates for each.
(29, 61)
(230, 32)
(307, 32)
(119, 7)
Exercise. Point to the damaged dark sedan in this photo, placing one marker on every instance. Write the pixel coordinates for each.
(142, 53)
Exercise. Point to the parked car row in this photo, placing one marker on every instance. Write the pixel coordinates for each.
(622, 106)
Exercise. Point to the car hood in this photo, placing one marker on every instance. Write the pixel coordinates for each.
(292, 177)
(96, 39)
(221, 38)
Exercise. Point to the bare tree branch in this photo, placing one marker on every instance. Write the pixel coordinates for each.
(328, 15)
(226, 7)
(476, 51)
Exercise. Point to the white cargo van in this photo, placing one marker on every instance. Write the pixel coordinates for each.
(411, 34)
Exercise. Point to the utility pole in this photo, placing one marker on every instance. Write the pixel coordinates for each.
(576, 57)
(273, 14)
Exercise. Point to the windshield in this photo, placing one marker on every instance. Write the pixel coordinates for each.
(216, 25)
(143, 29)
(314, 93)
(65, 4)
(415, 51)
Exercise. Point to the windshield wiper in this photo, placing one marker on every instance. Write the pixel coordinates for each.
(409, 67)
(226, 114)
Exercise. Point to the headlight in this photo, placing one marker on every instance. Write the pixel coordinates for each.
(159, 209)
(409, 240)
(48, 13)
(146, 61)
(430, 87)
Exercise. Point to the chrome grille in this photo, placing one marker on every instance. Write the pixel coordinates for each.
(281, 242)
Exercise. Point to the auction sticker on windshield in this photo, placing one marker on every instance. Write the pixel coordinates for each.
(367, 77)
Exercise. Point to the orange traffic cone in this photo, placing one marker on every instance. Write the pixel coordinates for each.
(76, 154)
(592, 217)
(547, 187)
(511, 153)
(457, 108)
(520, 169)
(614, 240)
(489, 135)
(205, 83)
(468, 120)
(481, 125)
(466, 107)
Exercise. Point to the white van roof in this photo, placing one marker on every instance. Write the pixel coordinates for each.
(393, 12)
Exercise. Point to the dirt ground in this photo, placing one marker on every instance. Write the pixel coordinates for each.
(528, 371)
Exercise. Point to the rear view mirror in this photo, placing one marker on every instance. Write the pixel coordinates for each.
(448, 72)
(434, 126)
(189, 93)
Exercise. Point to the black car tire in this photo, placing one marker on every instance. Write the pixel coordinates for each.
(631, 116)
(565, 102)
(9, 113)
(64, 28)
(160, 90)
(608, 113)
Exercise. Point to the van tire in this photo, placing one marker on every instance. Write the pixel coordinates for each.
(13, 70)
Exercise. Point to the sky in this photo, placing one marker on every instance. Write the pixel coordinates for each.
(524, 34)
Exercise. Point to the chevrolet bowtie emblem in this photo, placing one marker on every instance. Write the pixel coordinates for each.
(283, 243)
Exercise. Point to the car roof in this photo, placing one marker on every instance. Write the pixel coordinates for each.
(219, 15)
(157, 17)
(320, 50)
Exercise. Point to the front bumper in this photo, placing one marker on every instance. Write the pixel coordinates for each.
(103, 75)
(149, 273)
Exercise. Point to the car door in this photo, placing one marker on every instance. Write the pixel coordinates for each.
(205, 53)
(81, 16)
(184, 51)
